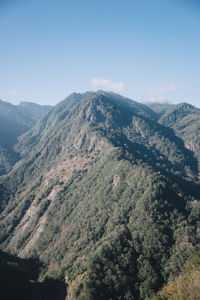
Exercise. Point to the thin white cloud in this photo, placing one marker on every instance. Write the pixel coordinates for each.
(160, 100)
(161, 94)
(107, 84)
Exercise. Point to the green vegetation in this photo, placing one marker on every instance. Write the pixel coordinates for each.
(111, 270)
(186, 286)
(14, 121)
(107, 196)
(184, 119)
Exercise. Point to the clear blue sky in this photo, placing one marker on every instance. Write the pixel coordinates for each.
(148, 50)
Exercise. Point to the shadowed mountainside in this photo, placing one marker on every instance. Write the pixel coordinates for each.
(14, 121)
(18, 280)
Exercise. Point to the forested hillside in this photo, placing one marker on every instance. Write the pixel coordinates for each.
(14, 121)
(185, 120)
(186, 286)
(107, 195)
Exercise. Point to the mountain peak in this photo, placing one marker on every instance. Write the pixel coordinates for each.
(105, 196)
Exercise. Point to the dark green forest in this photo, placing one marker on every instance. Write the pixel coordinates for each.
(106, 196)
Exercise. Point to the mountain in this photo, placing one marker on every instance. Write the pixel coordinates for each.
(107, 196)
(14, 121)
(186, 285)
(159, 108)
(184, 119)
(18, 280)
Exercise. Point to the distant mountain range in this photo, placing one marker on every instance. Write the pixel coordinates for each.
(14, 121)
(106, 194)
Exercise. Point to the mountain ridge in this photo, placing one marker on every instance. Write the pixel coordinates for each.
(14, 121)
(107, 189)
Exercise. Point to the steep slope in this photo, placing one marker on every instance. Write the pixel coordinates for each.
(106, 197)
(186, 286)
(14, 121)
(185, 120)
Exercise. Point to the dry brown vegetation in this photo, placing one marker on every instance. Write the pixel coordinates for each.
(186, 286)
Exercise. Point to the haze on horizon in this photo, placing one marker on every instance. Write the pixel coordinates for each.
(145, 50)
